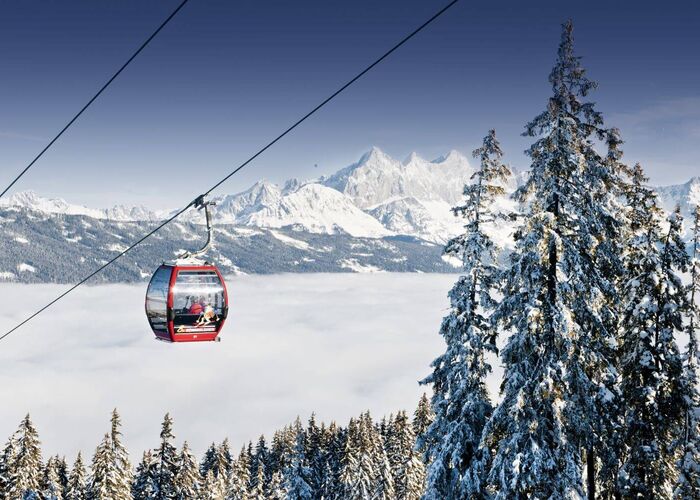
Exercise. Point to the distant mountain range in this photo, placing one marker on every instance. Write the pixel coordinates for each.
(378, 214)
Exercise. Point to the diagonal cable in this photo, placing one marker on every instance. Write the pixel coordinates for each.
(94, 98)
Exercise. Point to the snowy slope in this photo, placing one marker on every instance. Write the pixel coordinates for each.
(317, 209)
(429, 220)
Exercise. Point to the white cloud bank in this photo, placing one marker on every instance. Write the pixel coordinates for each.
(336, 344)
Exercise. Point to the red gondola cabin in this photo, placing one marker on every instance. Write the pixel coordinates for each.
(186, 303)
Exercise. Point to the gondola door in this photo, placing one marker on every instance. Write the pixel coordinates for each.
(198, 303)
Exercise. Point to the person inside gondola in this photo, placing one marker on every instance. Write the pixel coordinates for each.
(197, 306)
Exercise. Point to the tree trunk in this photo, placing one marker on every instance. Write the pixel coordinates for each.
(590, 468)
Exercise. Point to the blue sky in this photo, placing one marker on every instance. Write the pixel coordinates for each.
(224, 77)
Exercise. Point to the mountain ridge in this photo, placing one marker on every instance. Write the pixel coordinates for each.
(375, 197)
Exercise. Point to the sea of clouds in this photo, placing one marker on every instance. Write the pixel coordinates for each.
(336, 344)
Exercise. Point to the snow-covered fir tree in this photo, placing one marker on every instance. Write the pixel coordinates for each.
(213, 487)
(365, 469)
(460, 398)
(407, 467)
(259, 464)
(166, 462)
(103, 479)
(257, 487)
(62, 472)
(51, 488)
(275, 490)
(333, 444)
(315, 454)
(22, 464)
(187, 478)
(355, 482)
(123, 475)
(422, 418)
(608, 445)
(559, 371)
(688, 484)
(262, 458)
(224, 459)
(297, 476)
(144, 486)
(208, 461)
(282, 449)
(218, 460)
(239, 478)
(111, 476)
(651, 367)
(77, 488)
(7, 459)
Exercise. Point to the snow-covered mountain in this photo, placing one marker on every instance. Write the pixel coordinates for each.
(378, 179)
(376, 197)
(310, 207)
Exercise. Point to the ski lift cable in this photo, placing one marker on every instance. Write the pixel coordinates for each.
(94, 98)
(233, 172)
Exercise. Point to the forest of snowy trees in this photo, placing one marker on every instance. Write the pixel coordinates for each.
(366, 459)
(598, 399)
(594, 316)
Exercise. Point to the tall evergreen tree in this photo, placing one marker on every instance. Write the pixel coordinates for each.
(166, 459)
(239, 478)
(187, 478)
(257, 489)
(558, 367)
(460, 398)
(51, 483)
(688, 485)
(609, 440)
(208, 461)
(217, 459)
(22, 468)
(122, 465)
(355, 480)
(650, 360)
(77, 481)
(333, 444)
(262, 455)
(103, 480)
(259, 463)
(315, 454)
(282, 451)
(422, 418)
(275, 490)
(145, 487)
(111, 470)
(224, 459)
(297, 476)
(62, 472)
(213, 487)
(373, 469)
(7, 460)
(407, 467)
